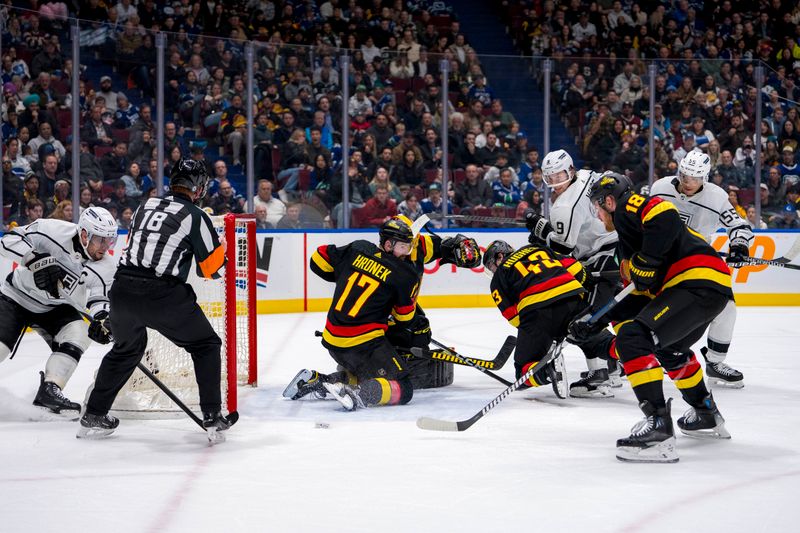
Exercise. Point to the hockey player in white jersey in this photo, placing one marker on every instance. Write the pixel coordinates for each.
(705, 207)
(574, 228)
(60, 263)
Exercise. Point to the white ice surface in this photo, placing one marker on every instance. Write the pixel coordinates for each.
(534, 463)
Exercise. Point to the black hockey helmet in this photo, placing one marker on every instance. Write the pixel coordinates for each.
(395, 229)
(610, 184)
(490, 255)
(191, 175)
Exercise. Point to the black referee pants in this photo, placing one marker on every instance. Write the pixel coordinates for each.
(169, 307)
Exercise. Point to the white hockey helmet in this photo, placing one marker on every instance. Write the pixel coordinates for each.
(553, 164)
(695, 164)
(100, 227)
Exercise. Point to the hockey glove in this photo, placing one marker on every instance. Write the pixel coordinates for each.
(538, 225)
(462, 251)
(46, 273)
(738, 253)
(580, 330)
(100, 328)
(644, 272)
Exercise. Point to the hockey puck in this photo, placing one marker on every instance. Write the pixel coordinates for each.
(322, 425)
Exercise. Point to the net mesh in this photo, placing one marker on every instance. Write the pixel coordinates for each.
(140, 397)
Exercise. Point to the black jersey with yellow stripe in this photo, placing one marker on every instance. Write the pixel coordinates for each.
(652, 226)
(534, 277)
(370, 286)
(425, 249)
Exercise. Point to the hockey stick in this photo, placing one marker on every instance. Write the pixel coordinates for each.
(448, 354)
(793, 252)
(232, 417)
(462, 425)
(478, 218)
(451, 355)
(768, 262)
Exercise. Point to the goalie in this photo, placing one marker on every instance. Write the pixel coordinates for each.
(60, 262)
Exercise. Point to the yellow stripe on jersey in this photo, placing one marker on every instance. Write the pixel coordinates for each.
(616, 327)
(646, 376)
(693, 232)
(386, 391)
(540, 297)
(321, 262)
(700, 273)
(349, 342)
(657, 210)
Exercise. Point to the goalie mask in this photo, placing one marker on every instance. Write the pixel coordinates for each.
(100, 228)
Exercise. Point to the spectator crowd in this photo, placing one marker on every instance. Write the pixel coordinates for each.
(705, 55)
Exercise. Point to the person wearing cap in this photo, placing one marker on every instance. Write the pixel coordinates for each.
(788, 163)
(108, 93)
(685, 148)
(435, 202)
(480, 91)
(786, 219)
(744, 159)
(359, 104)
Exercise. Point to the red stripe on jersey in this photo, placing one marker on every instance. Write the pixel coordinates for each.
(323, 251)
(510, 312)
(353, 331)
(645, 362)
(561, 279)
(404, 310)
(696, 261)
(687, 370)
(567, 262)
(650, 205)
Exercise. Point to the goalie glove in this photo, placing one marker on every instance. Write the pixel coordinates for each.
(47, 273)
(538, 225)
(738, 253)
(100, 328)
(462, 251)
(644, 272)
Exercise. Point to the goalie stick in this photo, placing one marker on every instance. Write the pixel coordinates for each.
(434, 424)
(232, 417)
(450, 355)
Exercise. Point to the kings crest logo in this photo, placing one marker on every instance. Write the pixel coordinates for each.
(686, 217)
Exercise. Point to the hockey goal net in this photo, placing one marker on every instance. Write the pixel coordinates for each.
(229, 303)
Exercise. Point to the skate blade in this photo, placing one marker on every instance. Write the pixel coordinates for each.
(663, 452)
(62, 414)
(717, 382)
(291, 389)
(93, 433)
(616, 382)
(719, 432)
(600, 392)
(214, 436)
(340, 396)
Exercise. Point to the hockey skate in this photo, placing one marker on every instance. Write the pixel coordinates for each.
(96, 426)
(51, 398)
(215, 424)
(558, 376)
(722, 374)
(652, 440)
(303, 384)
(704, 422)
(615, 373)
(596, 384)
(345, 395)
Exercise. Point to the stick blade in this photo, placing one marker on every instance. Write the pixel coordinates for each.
(505, 352)
(434, 424)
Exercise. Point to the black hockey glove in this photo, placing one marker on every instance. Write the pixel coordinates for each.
(538, 225)
(738, 253)
(100, 328)
(47, 273)
(462, 251)
(644, 272)
(580, 330)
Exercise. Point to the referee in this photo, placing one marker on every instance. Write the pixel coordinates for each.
(150, 291)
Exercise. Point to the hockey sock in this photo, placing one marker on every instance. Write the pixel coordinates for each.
(381, 391)
(645, 376)
(59, 369)
(688, 378)
(537, 379)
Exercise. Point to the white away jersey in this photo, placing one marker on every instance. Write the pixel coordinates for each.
(575, 222)
(87, 281)
(706, 211)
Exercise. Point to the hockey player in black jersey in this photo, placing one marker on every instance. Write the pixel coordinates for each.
(538, 292)
(372, 283)
(150, 291)
(681, 285)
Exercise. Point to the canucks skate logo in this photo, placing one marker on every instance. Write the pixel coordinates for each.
(686, 217)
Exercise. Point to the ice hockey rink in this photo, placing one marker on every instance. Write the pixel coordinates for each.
(535, 463)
